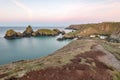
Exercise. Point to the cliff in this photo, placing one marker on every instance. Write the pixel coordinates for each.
(98, 28)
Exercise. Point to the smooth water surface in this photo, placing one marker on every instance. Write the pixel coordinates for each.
(28, 48)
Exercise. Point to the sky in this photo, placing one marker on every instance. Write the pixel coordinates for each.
(57, 12)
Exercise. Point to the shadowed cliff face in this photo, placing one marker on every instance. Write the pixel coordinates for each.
(100, 28)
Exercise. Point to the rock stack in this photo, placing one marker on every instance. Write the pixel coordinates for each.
(11, 34)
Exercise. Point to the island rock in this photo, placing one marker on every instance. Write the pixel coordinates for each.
(11, 34)
(28, 32)
(45, 32)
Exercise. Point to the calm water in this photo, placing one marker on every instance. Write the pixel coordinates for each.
(27, 48)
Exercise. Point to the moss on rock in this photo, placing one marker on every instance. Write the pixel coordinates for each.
(46, 32)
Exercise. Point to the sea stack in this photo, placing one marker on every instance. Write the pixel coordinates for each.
(28, 32)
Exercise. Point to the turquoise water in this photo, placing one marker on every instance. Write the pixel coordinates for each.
(28, 48)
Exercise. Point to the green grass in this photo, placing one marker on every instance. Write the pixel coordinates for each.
(73, 33)
(106, 28)
(46, 31)
(116, 75)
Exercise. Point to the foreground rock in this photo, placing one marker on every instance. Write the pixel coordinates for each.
(81, 59)
(11, 34)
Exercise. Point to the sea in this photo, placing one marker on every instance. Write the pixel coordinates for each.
(28, 48)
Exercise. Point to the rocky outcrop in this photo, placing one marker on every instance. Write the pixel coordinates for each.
(67, 36)
(28, 32)
(59, 32)
(11, 34)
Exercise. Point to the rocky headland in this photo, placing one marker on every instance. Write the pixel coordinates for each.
(29, 32)
(108, 30)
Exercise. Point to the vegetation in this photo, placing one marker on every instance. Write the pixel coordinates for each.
(116, 75)
(106, 28)
(46, 32)
(114, 48)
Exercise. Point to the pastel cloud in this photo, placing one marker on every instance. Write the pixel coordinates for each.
(62, 11)
(24, 7)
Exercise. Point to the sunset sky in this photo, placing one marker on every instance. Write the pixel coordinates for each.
(57, 12)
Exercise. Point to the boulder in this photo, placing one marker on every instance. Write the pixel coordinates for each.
(28, 32)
